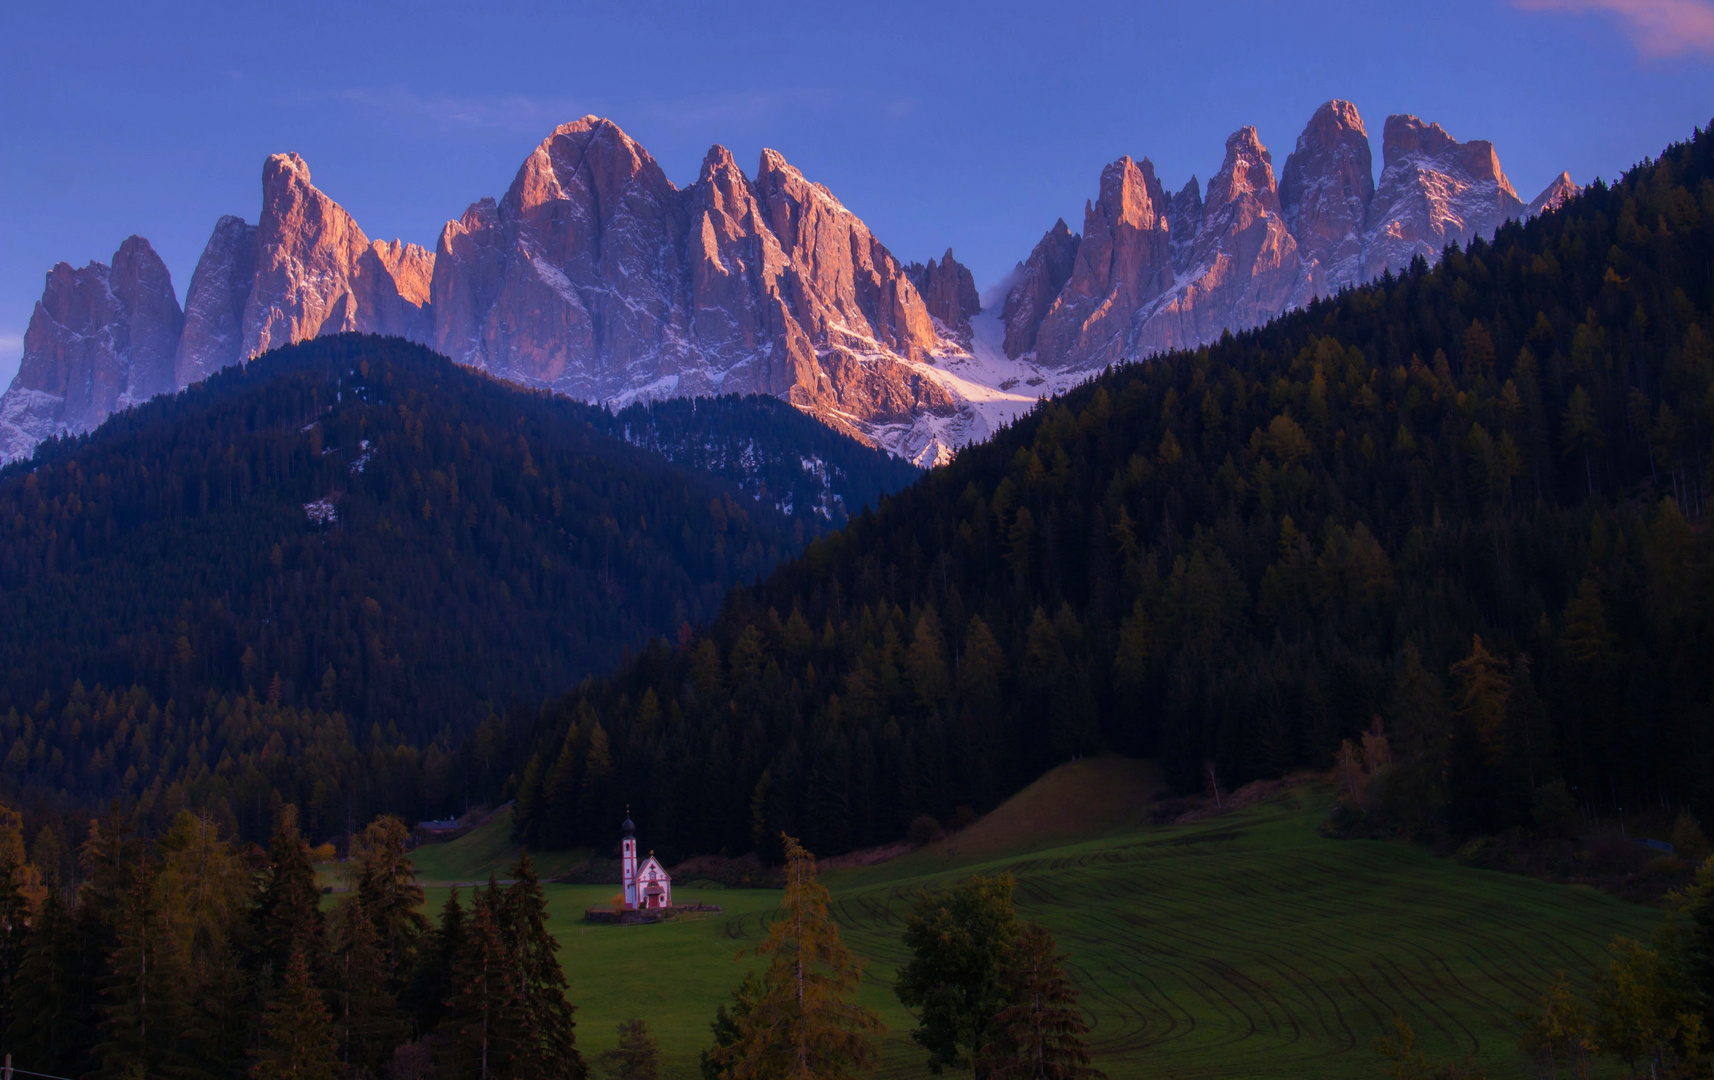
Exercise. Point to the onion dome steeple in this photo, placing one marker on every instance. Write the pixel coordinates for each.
(629, 827)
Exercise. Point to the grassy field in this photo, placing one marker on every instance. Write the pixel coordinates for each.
(1244, 945)
(487, 849)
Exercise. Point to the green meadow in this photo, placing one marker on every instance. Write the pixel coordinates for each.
(1242, 945)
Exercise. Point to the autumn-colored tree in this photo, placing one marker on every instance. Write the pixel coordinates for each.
(1635, 1015)
(1039, 1033)
(1484, 692)
(806, 1023)
(958, 941)
(387, 882)
(297, 1039)
(204, 890)
(1560, 1034)
(1410, 1063)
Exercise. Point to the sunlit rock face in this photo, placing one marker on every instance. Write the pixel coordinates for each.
(595, 276)
(1433, 191)
(317, 273)
(1152, 273)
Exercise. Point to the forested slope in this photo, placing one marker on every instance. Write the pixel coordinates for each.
(299, 576)
(1236, 558)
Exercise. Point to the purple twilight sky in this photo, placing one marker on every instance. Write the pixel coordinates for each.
(961, 124)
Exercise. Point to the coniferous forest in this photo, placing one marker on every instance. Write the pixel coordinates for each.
(1467, 503)
(323, 578)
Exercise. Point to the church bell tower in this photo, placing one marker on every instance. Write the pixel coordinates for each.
(628, 862)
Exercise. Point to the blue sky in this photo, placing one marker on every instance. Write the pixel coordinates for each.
(969, 125)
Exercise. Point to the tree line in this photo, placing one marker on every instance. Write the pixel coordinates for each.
(1467, 501)
(190, 955)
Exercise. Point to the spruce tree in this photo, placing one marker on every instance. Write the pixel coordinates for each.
(365, 1016)
(288, 915)
(482, 1017)
(431, 984)
(638, 1056)
(547, 1040)
(728, 1027)
(139, 1013)
(806, 1023)
(1039, 1034)
(52, 1025)
(297, 1040)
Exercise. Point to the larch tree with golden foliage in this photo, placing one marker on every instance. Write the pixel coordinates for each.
(806, 1023)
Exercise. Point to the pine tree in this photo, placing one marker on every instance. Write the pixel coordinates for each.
(638, 1056)
(806, 1024)
(547, 1041)
(483, 1015)
(365, 1017)
(958, 941)
(728, 1027)
(297, 1041)
(1039, 1034)
(139, 1012)
(52, 1024)
(431, 984)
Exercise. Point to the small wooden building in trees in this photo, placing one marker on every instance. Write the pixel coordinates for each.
(646, 887)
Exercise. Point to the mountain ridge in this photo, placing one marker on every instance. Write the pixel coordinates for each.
(595, 276)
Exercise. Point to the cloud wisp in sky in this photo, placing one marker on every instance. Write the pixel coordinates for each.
(513, 113)
(1658, 28)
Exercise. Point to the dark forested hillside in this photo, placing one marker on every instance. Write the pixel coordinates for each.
(1468, 502)
(297, 576)
(780, 456)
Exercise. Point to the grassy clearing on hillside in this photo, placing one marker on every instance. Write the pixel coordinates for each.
(1245, 945)
(487, 849)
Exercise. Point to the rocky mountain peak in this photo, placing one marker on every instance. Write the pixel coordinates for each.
(595, 276)
(1325, 192)
(1123, 263)
(1243, 267)
(1433, 191)
(213, 335)
(1184, 215)
(1247, 171)
(1405, 135)
(101, 339)
(1554, 195)
(317, 273)
(948, 290)
(1037, 283)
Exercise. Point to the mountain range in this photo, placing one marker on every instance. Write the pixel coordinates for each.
(596, 277)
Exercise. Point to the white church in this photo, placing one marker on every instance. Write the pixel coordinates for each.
(648, 886)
